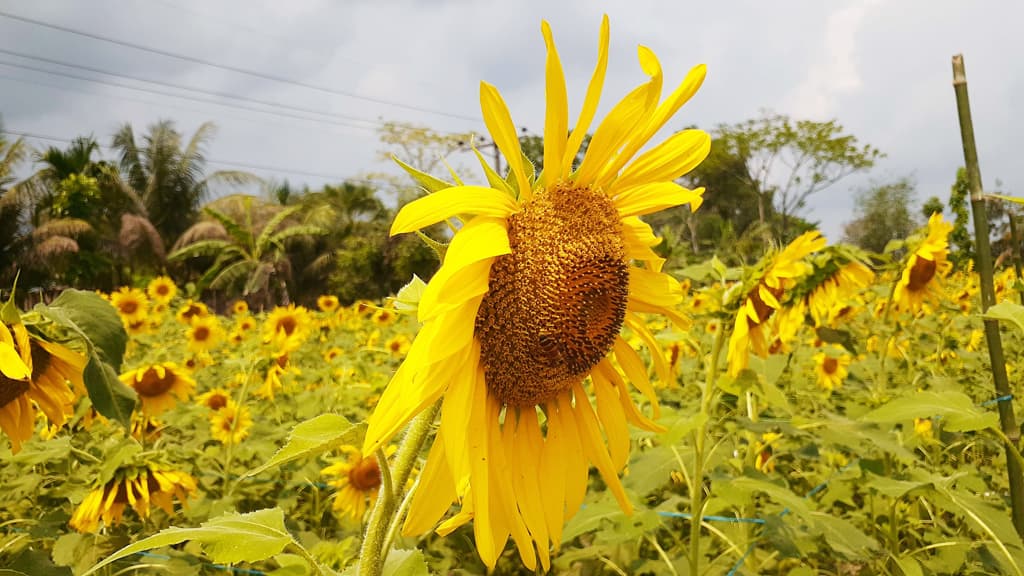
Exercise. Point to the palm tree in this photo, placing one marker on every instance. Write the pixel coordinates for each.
(11, 210)
(248, 241)
(168, 177)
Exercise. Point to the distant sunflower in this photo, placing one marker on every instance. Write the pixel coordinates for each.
(191, 310)
(356, 481)
(214, 399)
(839, 286)
(765, 299)
(397, 345)
(528, 305)
(240, 307)
(204, 334)
(920, 282)
(327, 303)
(134, 487)
(384, 316)
(131, 303)
(161, 289)
(333, 352)
(231, 424)
(159, 385)
(832, 369)
(245, 324)
(287, 327)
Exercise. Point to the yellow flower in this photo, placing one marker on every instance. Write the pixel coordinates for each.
(383, 317)
(528, 305)
(332, 353)
(230, 424)
(131, 303)
(975, 340)
(136, 488)
(214, 399)
(287, 328)
(831, 296)
(190, 311)
(158, 385)
(161, 289)
(832, 369)
(356, 482)
(398, 345)
(923, 428)
(764, 453)
(327, 303)
(921, 280)
(766, 297)
(34, 370)
(204, 334)
(240, 307)
(245, 324)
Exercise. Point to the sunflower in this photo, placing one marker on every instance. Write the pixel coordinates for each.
(528, 306)
(383, 316)
(356, 481)
(839, 286)
(333, 352)
(134, 487)
(214, 399)
(327, 303)
(287, 328)
(191, 310)
(161, 289)
(245, 324)
(204, 334)
(158, 385)
(397, 345)
(832, 369)
(920, 282)
(240, 307)
(34, 370)
(766, 297)
(764, 452)
(131, 303)
(231, 424)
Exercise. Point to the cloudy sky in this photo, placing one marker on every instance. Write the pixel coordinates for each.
(881, 67)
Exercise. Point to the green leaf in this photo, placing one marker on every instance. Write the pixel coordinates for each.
(405, 563)
(428, 182)
(226, 539)
(92, 317)
(780, 494)
(842, 535)
(959, 412)
(591, 517)
(109, 396)
(408, 298)
(892, 487)
(312, 437)
(909, 566)
(1007, 311)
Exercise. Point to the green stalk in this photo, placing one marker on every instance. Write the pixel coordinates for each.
(697, 480)
(983, 264)
(1015, 249)
(373, 554)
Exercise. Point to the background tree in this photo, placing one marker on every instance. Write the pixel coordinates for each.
(882, 213)
(12, 210)
(788, 161)
(533, 148)
(931, 206)
(961, 239)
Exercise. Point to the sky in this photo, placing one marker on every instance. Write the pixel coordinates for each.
(328, 73)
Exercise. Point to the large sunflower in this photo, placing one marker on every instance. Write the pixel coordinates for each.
(920, 282)
(158, 385)
(134, 487)
(527, 308)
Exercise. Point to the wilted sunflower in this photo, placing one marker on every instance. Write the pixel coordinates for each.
(131, 303)
(135, 487)
(766, 297)
(34, 370)
(161, 289)
(191, 310)
(356, 481)
(230, 424)
(158, 385)
(528, 305)
(204, 333)
(927, 265)
(832, 369)
(287, 327)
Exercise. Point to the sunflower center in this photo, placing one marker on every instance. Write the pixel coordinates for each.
(152, 384)
(287, 325)
(201, 334)
(163, 289)
(365, 475)
(763, 310)
(920, 274)
(830, 365)
(40, 359)
(216, 402)
(554, 306)
(128, 306)
(11, 389)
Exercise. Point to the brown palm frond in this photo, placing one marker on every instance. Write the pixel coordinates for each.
(137, 232)
(56, 246)
(202, 230)
(67, 227)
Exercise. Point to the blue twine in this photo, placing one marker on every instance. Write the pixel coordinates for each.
(712, 517)
(1006, 398)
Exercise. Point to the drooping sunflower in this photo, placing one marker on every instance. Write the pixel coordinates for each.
(204, 333)
(159, 386)
(527, 308)
(131, 303)
(920, 282)
(191, 310)
(231, 424)
(356, 481)
(135, 487)
(33, 370)
(765, 299)
(832, 369)
(161, 289)
(287, 327)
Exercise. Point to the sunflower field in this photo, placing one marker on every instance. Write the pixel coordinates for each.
(553, 399)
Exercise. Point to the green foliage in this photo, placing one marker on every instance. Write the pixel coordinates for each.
(882, 213)
(961, 239)
(312, 437)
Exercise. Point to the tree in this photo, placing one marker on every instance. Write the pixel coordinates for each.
(788, 161)
(961, 240)
(11, 209)
(248, 241)
(882, 213)
(532, 146)
(932, 206)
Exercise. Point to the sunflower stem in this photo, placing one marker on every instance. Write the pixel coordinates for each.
(373, 553)
(697, 483)
(983, 261)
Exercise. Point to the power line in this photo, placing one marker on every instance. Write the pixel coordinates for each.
(237, 70)
(226, 95)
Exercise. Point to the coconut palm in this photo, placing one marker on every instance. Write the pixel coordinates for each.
(246, 242)
(11, 211)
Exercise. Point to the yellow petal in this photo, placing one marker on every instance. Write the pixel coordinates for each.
(556, 121)
(605, 370)
(456, 413)
(482, 238)
(506, 137)
(613, 421)
(661, 368)
(434, 492)
(446, 203)
(477, 438)
(590, 101)
(678, 319)
(667, 161)
(577, 470)
(522, 479)
(635, 370)
(649, 198)
(553, 465)
(653, 288)
(595, 449)
(11, 364)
